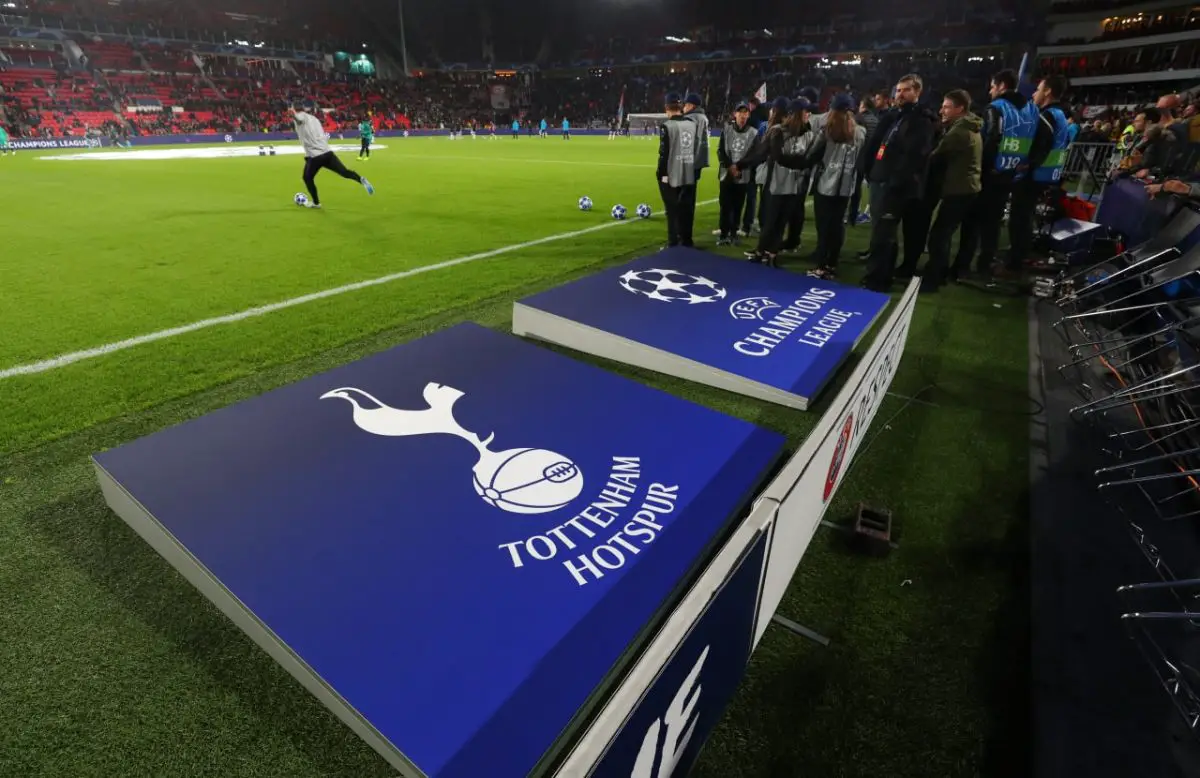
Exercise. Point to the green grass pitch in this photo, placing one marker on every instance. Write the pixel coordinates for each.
(111, 665)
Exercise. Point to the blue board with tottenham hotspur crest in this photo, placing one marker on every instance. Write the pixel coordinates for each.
(781, 330)
(460, 536)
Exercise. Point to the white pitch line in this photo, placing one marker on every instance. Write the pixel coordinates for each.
(436, 157)
(262, 310)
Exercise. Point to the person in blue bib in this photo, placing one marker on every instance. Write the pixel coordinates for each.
(1047, 157)
(1010, 124)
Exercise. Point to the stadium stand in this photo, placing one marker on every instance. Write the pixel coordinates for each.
(88, 68)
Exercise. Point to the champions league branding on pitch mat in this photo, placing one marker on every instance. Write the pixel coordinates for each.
(811, 317)
(532, 481)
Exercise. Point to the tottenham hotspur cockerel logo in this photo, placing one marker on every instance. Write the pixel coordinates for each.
(517, 480)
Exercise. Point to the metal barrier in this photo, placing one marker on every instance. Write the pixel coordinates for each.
(1088, 166)
(1132, 326)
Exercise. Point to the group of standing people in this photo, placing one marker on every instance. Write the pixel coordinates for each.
(915, 159)
(966, 168)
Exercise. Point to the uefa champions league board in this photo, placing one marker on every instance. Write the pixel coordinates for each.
(747, 328)
(455, 544)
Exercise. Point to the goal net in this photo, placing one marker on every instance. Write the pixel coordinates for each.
(645, 123)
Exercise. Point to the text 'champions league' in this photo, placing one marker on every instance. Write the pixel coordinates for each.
(793, 317)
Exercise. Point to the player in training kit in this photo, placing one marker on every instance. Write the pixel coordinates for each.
(566, 129)
(543, 132)
(318, 154)
(4, 147)
(366, 131)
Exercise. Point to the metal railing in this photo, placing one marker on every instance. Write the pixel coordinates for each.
(1131, 324)
(1088, 166)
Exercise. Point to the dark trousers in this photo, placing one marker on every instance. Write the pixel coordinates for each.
(777, 213)
(1025, 197)
(950, 215)
(855, 205)
(733, 200)
(751, 213)
(680, 204)
(981, 228)
(795, 221)
(916, 218)
(828, 212)
(365, 151)
(313, 165)
(886, 215)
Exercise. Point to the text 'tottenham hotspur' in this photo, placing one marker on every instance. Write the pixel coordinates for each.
(591, 530)
(792, 318)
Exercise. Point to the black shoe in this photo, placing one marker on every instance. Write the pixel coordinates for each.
(864, 255)
(756, 257)
(929, 286)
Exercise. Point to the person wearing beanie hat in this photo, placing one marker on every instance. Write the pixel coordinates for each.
(785, 157)
(837, 147)
(692, 109)
(737, 141)
(758, 120)
(318, 154)
(793, 236)
(676, 171)
(776, 113)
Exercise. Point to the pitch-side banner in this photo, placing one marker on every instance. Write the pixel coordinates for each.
(809, 480)
(655, 723)
(56, 143)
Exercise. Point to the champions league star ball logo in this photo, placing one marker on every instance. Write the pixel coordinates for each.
(672, 286)
(751, 308)
(517, 480)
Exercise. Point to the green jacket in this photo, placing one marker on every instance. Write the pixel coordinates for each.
(960, 155)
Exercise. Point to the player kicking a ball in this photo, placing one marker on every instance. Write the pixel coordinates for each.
(318, 154)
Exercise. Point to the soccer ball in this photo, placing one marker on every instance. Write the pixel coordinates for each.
(672, 286)
(618, 211)
(301, 199)
(643, 211)
(527, 480)
(585, 203)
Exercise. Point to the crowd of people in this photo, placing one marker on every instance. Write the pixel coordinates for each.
(913, 152)
(229, 96)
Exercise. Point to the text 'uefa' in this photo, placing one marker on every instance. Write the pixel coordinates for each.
(595, 525)
(809, 317)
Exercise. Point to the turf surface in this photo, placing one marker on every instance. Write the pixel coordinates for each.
(110, 664)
